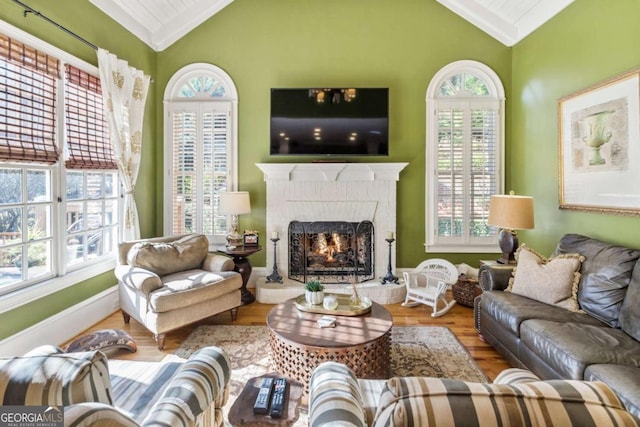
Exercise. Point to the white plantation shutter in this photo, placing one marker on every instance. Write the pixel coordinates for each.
(220, 159)
(184, 185)
(200, 165)
(464, 158)
(482, 178)
(201, 105)
(450, 171)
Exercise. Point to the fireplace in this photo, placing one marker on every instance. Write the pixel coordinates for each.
(317, 192)
(331, 251)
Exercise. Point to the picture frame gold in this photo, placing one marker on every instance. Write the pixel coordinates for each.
(599, 147)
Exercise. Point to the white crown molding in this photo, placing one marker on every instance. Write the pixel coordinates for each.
(507, 29)
(160, 33)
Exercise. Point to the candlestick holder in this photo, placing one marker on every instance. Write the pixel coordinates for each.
(389, 277)
(274, 277)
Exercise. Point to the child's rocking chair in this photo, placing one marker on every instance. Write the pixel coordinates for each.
(428, 284)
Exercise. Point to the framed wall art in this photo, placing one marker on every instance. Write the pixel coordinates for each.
(250, 238)
(599, 147)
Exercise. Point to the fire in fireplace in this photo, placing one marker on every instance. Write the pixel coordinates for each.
(331, 251)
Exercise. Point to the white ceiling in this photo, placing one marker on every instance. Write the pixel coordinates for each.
(159, 23)
(508, 21)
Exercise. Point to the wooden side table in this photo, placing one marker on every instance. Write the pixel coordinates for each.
(241, 413)
(243, 266)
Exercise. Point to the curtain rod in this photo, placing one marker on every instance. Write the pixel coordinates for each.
(29, 9)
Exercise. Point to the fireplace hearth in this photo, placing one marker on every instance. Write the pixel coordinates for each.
(331, 251)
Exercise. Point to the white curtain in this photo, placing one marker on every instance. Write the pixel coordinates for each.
(124, 92)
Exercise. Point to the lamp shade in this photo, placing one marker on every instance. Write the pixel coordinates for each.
(235, 202)
(511, 212)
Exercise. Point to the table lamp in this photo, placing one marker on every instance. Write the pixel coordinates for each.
(234, 203)
(510, 213)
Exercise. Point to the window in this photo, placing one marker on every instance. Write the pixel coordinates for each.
(91, 180)
(465, 145)
(59, 204)
(200, 160)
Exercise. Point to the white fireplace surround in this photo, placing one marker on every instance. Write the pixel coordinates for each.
(350, 192)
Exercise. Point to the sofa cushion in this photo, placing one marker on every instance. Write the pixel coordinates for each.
(623, 380)
(58, 379)
(164, 258)
(552, 281)
(630, 310)
(190, 287)
(510, 310)
(428, 402)
(605, 275)
(570, 347)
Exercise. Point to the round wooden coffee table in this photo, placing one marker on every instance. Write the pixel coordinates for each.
(299, 345)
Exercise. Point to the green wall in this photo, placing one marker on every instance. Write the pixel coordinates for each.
(90, 23)
(583, 45)
(399, 44)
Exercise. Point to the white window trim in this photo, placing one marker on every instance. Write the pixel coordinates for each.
(66, 278)
(171, 104)
(432, 101)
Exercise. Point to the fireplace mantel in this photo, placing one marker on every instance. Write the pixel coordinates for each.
(331, 192)
(331, 171)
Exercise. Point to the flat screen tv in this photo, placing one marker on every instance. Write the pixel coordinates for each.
(330, 122)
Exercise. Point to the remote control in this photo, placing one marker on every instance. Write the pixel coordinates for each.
(277, 400)
(261, 406)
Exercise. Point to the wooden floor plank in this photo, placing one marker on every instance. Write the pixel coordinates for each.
(459, 320)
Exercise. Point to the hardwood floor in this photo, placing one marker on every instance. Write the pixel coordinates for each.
(459, 320)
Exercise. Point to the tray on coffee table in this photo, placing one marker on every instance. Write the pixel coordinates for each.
(345, 307)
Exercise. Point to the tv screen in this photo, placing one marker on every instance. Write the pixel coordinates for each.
(330, 122)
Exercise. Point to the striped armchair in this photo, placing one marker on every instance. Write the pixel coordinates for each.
(516, 398)
(96, 391)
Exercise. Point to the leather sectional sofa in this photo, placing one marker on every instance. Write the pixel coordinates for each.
(600, 342)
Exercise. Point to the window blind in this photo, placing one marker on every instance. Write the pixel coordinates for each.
(482, 169)
(465, 170)
(219, 166)
(28, 105)
(87, 133)
(184, 184)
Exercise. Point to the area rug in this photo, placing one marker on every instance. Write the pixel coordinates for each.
(415, 351)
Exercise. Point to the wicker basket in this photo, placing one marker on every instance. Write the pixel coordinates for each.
(465, 290)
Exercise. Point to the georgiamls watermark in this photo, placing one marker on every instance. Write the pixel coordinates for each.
(31, 416)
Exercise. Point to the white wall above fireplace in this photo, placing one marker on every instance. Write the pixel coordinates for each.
(331, 192)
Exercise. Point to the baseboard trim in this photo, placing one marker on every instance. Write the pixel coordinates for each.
(63, 326)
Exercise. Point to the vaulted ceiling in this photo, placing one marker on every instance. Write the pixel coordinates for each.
(508, 21)
(159, 23)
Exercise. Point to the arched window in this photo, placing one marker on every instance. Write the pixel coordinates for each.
(200, 150)
(465, 157)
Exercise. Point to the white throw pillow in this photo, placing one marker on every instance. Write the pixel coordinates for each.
(552, 281)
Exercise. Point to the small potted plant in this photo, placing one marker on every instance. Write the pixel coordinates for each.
(314, 292)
